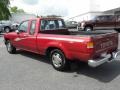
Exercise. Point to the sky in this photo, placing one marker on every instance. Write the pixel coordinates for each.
(66, 8)
(48, 7)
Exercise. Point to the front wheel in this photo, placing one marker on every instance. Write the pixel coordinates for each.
(88, 28)
(10, 48)
(58, 60)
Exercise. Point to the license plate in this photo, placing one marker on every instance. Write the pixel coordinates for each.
(106, 44)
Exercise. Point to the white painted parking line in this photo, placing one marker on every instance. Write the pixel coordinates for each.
(2, 45)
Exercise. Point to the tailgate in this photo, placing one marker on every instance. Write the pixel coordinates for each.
(105, 43)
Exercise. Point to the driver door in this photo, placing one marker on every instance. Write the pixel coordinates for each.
(20, 40)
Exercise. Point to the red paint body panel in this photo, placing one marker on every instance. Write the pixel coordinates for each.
(74, 47)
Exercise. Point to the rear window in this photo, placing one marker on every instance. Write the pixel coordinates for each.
(52, 24)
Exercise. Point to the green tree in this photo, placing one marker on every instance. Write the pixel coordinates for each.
(4, 11)
(21, 11)
(16, 10)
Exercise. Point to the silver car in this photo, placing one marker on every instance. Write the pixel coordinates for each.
(71, 24)
(5, 26)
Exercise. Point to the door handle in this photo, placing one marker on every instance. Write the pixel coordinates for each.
(25, 35)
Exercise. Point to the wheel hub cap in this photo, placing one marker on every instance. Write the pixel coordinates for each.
(57, 60)
(7, 30)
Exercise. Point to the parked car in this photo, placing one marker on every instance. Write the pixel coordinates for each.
(49, 36)
(71, 24)
(14, 26)
(101, 22)
(8, 26)
(5, 26)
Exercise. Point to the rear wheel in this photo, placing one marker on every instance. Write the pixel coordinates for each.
(88, 28)
(6, 29)
(118, 30)
(58, 60)
(10, 48)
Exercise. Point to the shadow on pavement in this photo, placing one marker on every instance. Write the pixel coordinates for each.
(33, 56)
(104, 73)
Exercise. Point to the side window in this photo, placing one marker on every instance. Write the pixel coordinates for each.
(52, 25)
(43, 24)
(118, 18)
(102, 18)
(110, 18)
(23, 26)
(60, 24)
(33, 26)
(48, 24)
(98, 18)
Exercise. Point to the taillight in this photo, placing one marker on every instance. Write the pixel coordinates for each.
(90, 45)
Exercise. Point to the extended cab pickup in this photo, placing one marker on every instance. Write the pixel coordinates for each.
(101, 22)
(49, 36)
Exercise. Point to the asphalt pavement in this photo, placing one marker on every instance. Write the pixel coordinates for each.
(28, 71)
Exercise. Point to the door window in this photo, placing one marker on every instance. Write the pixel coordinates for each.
(32, 28)
(23, 26)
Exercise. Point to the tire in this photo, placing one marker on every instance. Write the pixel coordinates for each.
(88, 28)
(6, 29)
(10, 48)
(118, 30)
(58, 60)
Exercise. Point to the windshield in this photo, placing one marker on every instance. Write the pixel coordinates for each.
(52, 24)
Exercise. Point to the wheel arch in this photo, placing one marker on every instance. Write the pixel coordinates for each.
(88, 25)
(50, 48)
(7, 27)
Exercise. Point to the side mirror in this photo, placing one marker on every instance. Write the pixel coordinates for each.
(17, 31)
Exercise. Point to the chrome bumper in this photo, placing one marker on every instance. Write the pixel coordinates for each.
(108, 58)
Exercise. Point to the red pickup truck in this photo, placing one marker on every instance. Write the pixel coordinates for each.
(49, 36)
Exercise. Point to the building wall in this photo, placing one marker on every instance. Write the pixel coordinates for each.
(19, 17)
(108, 4)
(85, 16)
(97, 7)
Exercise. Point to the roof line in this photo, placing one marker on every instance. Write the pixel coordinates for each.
(85, 13)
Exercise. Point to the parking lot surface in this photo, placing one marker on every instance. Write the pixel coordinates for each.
(28, 71)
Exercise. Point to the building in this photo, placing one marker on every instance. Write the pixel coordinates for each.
(19, 17)
(97, 7)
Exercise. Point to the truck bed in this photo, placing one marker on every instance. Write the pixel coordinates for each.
(78, 33)
(91, 33)
(104, 41)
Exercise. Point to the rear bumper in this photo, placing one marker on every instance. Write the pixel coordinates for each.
(108, 58)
